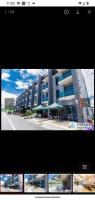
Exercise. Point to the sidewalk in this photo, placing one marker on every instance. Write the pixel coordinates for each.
(58, 125)
(55, 123)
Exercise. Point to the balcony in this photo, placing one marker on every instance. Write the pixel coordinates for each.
(35, 101)
(36, 86)
(36, 92)
(67, 94)
(45, 99)
(65, 78)
(45, 87)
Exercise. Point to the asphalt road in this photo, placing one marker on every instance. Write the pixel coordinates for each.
(13, 122)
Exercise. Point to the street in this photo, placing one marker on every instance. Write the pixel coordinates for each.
(7, 189)
(13, 122)
(29, 188)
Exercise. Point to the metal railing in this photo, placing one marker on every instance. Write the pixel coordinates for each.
(35, 92)
(44, 99)
(45, 86)
(67, 92)
(65, 75)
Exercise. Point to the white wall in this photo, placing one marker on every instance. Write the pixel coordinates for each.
(89, 80)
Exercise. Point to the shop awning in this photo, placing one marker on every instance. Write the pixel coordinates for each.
(39, 108)
(55, 106)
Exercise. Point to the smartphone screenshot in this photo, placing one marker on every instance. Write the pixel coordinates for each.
(47, 136)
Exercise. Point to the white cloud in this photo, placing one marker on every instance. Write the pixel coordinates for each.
(5, 76)
(43, 71)
(21, 85)
(32, 71)
(30, 82)
(22, 69)
(23, 75)
(6, 95)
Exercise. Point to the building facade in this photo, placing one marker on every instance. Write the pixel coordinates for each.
(63, 86)
(9, 103)
(14, 181)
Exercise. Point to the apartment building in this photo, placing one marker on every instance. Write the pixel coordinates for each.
(9, 103)
(12, 181)
(64, 86)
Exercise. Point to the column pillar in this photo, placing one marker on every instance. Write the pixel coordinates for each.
(54, 89)
(39, 89)
(50, 89)
(32, 95)
(77, 95)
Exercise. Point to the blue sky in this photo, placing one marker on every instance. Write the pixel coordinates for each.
(15, 81)
(51, 176)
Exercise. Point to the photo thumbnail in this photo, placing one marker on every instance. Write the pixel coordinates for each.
(84, 183)
(35, 183)
(11, 183)
(60, 183)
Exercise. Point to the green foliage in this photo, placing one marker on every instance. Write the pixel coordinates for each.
(9, 109)
(28, 112)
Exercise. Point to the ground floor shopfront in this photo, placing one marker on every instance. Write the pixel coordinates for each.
(70, 111)
(66, 113)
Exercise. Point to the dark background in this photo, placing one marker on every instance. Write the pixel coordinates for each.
(47, 152)
(45, 36)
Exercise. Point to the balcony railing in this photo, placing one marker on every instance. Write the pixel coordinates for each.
(29, 104)
(35, 101)
(44, 99)
(35, 92)
(67, 92)
(45, 86)
(65, 75)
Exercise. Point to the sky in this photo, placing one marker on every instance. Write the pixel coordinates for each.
(4, 177)
(15, 81)
(51, 176)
